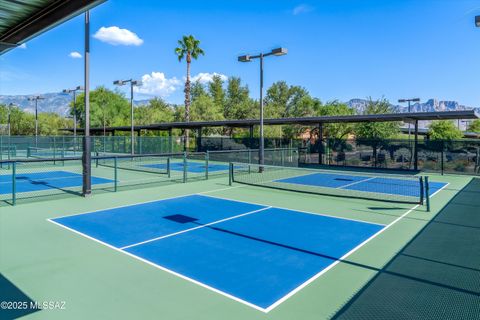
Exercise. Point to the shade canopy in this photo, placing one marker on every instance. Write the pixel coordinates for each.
(22, 20)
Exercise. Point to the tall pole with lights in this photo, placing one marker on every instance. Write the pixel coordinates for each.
(87, 156)
(261, 56)
(133, 83)
(36, 116)
(9, 119)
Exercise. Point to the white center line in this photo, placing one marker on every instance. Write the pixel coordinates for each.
(195, 228)
(356, 182)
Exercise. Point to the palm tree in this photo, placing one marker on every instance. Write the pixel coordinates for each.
(188, 48)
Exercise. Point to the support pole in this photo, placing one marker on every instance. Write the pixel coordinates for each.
(86, 159)
(170, 144)
(199, 139)
(415, 151)
(250, 144)
(320, 145)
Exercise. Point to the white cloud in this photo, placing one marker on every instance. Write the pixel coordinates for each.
(23, 46)
(75, 55)
(157, 84)
(302, 8)
(205, 77)
(116, 36)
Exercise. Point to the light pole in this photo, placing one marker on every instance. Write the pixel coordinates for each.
(74, 91)
(261, 56)
(36, 116)
(132, 84)
(9, 120)
(409, 110)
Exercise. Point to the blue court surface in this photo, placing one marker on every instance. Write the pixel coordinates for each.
(385, 185)
(41, 181)
(193, 167)
(257, 255)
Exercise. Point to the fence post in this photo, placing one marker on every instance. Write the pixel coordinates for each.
(442, 155)
(427, 193)
(184, 167)
(14, 183)
(115, 174)
(422, 190)
(168, 167)
(207, 157)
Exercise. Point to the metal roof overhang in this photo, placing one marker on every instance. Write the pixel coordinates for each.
(309, 121)
(22, 20)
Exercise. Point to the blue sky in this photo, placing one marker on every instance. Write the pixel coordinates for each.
(338, 49)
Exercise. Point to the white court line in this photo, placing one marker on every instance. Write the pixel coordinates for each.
(74, 175)
(164, 269)
(301, 211)
(195, 228)
(440, 189)
(144, 202)
(356, 182)
(278, 302)
(306, 283)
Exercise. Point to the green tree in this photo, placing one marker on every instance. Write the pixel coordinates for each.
(377, 130)
(375, 134)
(238, 104)
(106, 107)
(197, 90)
(215, 88)
(474, 126)
(156, 111)
(336, 130)
(50, 124)
(444, 130)
(188, 49)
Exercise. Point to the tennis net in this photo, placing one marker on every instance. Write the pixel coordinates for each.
(159, 164)
(50, 153)
(383, 187)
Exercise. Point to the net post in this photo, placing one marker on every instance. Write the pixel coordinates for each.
(184, 167)
(230, 173)
(207, 157)
(422, 191)
(115, 174)
(427, 193)
(168, 167)
(14, 183)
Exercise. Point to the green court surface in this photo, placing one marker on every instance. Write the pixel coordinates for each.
(40, 261)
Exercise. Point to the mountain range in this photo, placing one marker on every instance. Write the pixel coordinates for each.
(59, 103)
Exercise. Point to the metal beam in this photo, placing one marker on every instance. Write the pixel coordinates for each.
(42, 19)
(310, 121)
(415, 151)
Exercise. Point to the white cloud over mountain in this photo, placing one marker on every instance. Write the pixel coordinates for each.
(157, 84)
(117, 36)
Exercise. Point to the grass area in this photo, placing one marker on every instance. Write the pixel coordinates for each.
(48, 263)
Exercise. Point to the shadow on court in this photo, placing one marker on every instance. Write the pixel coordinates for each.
(10, 295)
(436, 275)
